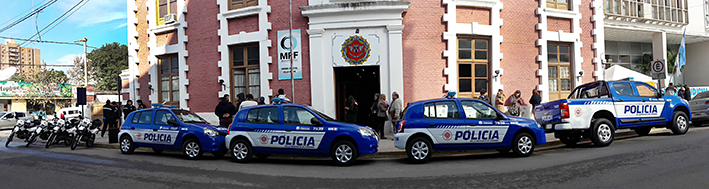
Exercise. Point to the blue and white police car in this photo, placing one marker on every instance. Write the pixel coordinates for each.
(171, 129)
(296, 130)
(463, 124)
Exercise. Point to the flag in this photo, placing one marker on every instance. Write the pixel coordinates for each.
(682, 59)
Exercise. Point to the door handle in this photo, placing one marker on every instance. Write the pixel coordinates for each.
(642, 101)
(155, 129)
(288, 130)
(132, 128)
(619, 100)
(431, 124)
(251, 129)
(473, 125)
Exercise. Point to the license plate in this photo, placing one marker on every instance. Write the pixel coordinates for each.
(549, 126)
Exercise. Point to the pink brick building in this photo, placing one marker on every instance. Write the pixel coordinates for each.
(189, 53)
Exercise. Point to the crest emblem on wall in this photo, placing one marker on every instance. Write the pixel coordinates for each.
(355, 50)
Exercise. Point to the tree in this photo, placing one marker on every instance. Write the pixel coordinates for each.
(40, 87)
(76, 74)
(107, 63)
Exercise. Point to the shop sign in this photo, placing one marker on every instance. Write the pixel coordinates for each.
(286, 52)
(25, 89)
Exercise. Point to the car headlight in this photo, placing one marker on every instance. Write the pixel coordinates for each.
(366, 132)
(538, 125)
(210, 132)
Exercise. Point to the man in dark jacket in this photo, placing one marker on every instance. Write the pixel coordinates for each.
(128, 108)
(116, 114)
(225, 110)
(535, 100)
(107, 116)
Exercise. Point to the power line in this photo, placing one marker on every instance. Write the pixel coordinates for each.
(28, 15)
(23, 12)
(44, 41)
(71, 11)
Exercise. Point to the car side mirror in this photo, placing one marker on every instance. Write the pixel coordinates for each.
(316, 121)
(173, 123)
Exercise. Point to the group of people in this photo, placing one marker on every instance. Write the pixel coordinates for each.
(514, 103)
(683, 91)
(381, 111)
(112, 113)
(225, 110)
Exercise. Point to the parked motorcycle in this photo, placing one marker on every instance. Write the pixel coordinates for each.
(36, 131)
(58, 132)
(86, 131)
(20, 130)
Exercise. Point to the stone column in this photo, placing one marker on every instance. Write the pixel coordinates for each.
(396, 60)
(659, 52)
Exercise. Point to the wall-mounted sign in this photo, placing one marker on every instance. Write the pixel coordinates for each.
(286, 52)
(355, 50)
(24, 89)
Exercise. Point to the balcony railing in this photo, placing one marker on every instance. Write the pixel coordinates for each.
(671, 11)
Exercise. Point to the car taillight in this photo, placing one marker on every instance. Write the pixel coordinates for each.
(564, 110)
(707, 102)
(228, 131)
(400, 128)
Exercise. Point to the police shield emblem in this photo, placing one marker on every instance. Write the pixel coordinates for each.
(355, 50)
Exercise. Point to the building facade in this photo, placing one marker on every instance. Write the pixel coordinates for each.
(190, 53)
(26, 60)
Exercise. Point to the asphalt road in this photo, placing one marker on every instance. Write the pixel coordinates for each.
(660, 160)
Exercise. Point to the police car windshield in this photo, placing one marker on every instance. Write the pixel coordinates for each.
(322, 115)
(188, 117)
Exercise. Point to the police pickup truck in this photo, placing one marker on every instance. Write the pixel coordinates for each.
(595, 110)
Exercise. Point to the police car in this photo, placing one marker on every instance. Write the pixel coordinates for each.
(595, 110)
(296, 130)
(463, 124)
(167, 128)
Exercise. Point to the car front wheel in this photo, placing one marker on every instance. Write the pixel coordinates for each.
(127, 145)
(344, 153)
(680, 123)
(192, 149)
(523, 145)
(419, 150)
(241, 151)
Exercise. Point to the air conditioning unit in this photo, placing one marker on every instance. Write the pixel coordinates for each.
(170, 18)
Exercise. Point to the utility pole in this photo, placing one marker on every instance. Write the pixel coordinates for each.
(292, 81)
(86, 79)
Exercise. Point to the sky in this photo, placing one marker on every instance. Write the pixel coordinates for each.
(100, 21)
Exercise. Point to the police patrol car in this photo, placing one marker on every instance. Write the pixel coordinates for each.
(463, 124)
(595, 110)
(298, 130)
(168, 128)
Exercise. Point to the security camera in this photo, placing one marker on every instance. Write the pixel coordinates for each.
(581, 73)
(221, 81)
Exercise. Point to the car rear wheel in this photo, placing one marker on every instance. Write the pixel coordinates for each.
(241, 151)
(344, 153)
(419, 150)
(523, 145)
(127, 145)
(192, 149)
(643, 131)
(680, 123)
(602, 132)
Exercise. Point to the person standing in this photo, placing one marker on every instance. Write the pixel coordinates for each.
(500, 100)
(483, 96)
(128, 108)
(395, 109)
(261, 100)
(374, 110)
(225, 111)
(117, 115)
(107, 116)
(670, 90)
(351, 110)
(248, 102)
(239, 99)
(536, 98)
(382, 108)
(515, 103)
(687, 93)
(141, 105)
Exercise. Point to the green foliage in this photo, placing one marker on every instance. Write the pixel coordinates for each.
(644, 64)
(671, 58)
(106, 64)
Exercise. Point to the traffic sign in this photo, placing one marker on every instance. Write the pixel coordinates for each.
(658, 69)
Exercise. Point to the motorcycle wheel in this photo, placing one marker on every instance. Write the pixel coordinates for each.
(30, 140)
(68, 139)
(90, 140)
(50, 141)
(76, 142)
(9, 138)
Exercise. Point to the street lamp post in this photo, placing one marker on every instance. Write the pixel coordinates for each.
(86, 80)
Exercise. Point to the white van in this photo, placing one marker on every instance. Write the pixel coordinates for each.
(69, 113)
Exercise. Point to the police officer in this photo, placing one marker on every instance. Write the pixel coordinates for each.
(128, 108)
(107, 116)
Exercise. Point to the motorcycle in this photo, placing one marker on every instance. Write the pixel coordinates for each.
(36, 131)
(86, 131)
(20, 130)
(58, 132)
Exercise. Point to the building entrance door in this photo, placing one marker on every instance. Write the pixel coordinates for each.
(361, 82)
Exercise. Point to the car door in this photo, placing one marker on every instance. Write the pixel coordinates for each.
(264, 127)
(484, 126)
(301, 133)
(165, 135)
(649, 108)
(8, 120)
(142, 128)
(443, 121)
(624, 102)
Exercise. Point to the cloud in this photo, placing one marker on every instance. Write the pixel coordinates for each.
(65, 60)
(97, 12)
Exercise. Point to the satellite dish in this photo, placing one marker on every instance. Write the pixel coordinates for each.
(6, 73)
